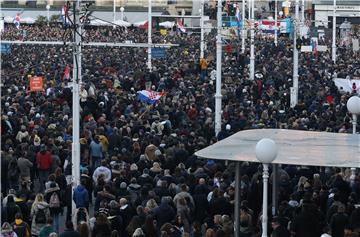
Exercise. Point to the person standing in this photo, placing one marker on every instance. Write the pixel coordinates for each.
(278, 229)
(47, 229)
(81, 196)
(43, 160)
(21, 228)
(40, 213)
(69, 231)
(25, 167)
(339, 221)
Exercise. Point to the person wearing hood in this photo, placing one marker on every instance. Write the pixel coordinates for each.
(21, 228)
(81, 196)
(53, 197)
(7, 231)
(40, 213)
(102, 170)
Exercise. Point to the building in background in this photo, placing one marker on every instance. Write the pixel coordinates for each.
(346, 10)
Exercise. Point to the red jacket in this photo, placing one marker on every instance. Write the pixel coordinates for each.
(44, 160)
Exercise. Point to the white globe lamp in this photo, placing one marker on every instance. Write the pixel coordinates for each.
(266, 150)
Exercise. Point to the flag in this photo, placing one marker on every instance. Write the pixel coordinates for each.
(66, 75)
(63, 15)
(269, 27)
(17, 21)
(314, 46)
(180, 26)
(149, 96)
(238, 19)
(145, 25)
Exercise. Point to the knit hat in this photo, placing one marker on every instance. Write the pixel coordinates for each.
(138, 233)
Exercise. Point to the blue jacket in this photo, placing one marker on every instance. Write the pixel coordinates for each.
(81, 197)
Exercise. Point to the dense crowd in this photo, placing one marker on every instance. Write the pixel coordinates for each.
(139, 175)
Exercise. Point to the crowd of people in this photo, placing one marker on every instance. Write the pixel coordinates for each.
(139, 174)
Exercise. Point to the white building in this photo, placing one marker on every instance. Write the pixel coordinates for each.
(346, 9)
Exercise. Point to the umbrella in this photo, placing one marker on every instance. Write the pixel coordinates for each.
(27, 20)
(97, 22)
(140, 24)
(122, 23)
(167, 24)
(8, 19)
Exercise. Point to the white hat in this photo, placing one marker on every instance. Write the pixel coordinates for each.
(228, 126)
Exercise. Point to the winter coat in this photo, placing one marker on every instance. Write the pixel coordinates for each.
(81, 197)
(48, 193)
(36, 227)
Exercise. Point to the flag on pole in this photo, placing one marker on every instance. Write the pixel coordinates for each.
(63, 15)
(17, 21)
(66, 75)
(238, 17)
(149, 96)
(180, 26)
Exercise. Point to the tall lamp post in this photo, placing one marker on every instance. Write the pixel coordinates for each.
(266, 151)
(243, 28)
(218, 95)
(122, 9)
(295, 89)
(353, 106)
(149, 35)
(276, 21)
(252, 46)
(114, 13)
(201, 11)
(334, 34)
(48, 14)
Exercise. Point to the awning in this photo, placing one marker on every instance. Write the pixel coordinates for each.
(122, 23)
(294, 147)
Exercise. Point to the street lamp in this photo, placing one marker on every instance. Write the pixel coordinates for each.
(122, 9)
(48, 14)
(353, 105)
(266, 151)
(201, 12)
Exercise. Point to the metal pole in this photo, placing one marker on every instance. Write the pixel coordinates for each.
(295, 93)
(76, 101)
(218, 95)
(276, 21)
(237, 199)
(274, 189)
(265, 200)
(252, 47)
(114, 11)
(202, 30)
(48, 15)
(303, 12)
(353, 170)
(334, 34)
(243, 28)
(149, 35)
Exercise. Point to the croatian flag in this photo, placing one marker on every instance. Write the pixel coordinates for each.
(66, 75)
(149, 96)
(63, 16)
(17, 21)
(269, 27)
(181, 27)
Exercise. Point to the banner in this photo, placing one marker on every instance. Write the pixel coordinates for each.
(158, 52)
(36, 84)
(163, 32)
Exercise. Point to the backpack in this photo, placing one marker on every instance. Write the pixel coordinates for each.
(54, 200)
(40, 217)
(13, 171)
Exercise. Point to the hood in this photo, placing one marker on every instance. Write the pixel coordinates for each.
(42, 205)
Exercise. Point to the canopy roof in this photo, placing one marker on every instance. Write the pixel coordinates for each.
(294, 147)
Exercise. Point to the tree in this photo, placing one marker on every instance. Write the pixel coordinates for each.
(54, 18)
(41, 20)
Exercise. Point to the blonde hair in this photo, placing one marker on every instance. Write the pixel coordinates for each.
(39, 198)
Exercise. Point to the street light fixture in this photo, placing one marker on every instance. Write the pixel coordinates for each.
(266, 151)
(122, 9)
(353, 105)
(48, 14)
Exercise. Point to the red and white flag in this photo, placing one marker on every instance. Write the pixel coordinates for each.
(180, 26)
(66, 75)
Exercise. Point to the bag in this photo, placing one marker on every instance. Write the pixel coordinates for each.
(40, 217)
(13, 171)
(54, 200)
